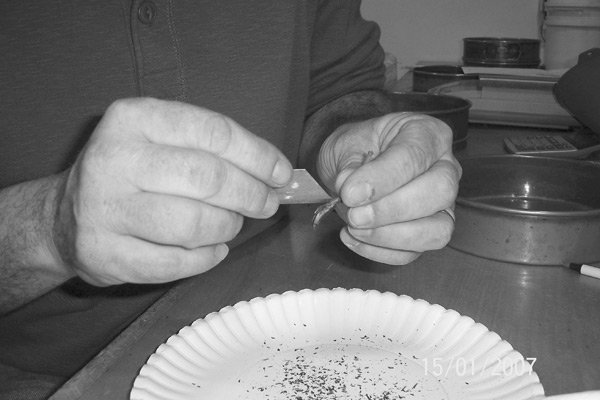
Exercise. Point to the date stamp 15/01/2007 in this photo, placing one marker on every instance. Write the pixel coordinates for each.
(441, 367)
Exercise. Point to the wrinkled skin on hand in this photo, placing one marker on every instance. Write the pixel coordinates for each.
(158, 190)
(392, 202)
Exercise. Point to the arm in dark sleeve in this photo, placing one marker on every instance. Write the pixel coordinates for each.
(347, 74)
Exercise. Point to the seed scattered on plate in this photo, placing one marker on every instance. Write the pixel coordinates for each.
(328, 372)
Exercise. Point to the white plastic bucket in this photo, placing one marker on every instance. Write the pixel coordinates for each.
(570, 27)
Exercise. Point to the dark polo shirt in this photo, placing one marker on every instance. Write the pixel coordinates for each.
(268, 64)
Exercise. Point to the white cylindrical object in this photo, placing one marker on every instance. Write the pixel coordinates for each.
(590, 271)
(570, 27)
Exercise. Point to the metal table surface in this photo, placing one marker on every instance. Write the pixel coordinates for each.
(548, 313)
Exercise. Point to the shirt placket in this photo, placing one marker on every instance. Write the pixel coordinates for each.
(160, 71)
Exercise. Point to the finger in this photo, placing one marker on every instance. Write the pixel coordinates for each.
(137, 261)
(410, 146)
(171, 220)
(429, 193)
(375, 253)
(183, 125)
(344, 151)
(430, 233)
(351, 161)
(201, 176)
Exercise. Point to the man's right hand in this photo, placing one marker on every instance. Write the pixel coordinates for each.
(158, 190)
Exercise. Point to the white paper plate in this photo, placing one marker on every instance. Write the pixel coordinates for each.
(336, 344)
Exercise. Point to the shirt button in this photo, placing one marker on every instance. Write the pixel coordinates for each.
(147, 12)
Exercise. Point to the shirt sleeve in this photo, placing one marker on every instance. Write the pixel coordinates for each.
(345, 53)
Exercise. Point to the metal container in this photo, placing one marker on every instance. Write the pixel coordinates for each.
(529, 210)
(430, 76)
(453, 110)
(501, 52)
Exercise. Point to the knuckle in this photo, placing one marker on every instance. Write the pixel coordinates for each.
(190, 233)
(194, 224)
(446, 235)
(123, 107)
(259, 201)
(443, 234)
(168, 267)
(446, 185)
(204, 227)
(235, 227)
(448, 191)
(433, 134)
(458, 169)
(120, 111)
(218, 131)
(179, 263)
(210, 176)
(444, 131)
(256, 200)
(98, 157)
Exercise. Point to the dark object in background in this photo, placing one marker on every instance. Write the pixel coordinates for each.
(430, 76)
(501, 52)
(578, 90)
(453, 110)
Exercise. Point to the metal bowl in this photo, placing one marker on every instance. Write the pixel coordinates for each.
(453, 110)
(429, 76)
(529, 210)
